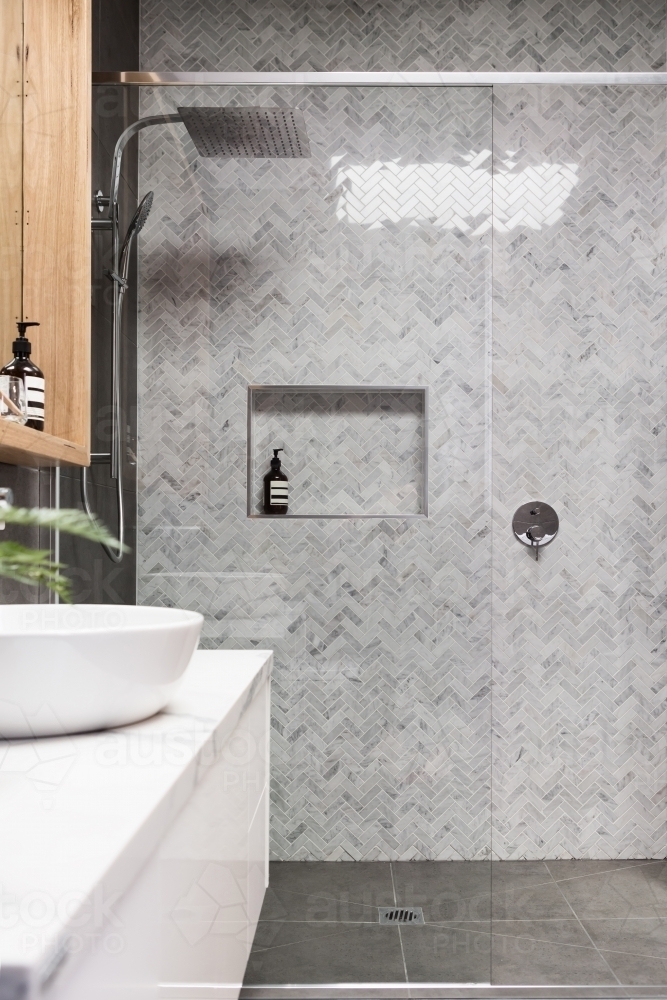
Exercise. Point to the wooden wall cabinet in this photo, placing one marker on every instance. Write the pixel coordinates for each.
(45, 90)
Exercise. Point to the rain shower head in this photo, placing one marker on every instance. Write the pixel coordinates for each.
(247, 132)
(225, 132)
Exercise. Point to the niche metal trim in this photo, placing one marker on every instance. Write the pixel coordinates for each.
(253, 388)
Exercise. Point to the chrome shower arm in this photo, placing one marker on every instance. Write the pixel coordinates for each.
(122, 143)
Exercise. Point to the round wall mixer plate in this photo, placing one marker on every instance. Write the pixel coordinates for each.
(535, 524)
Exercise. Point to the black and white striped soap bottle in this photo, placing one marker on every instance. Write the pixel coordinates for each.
(33, 377)
(275, 487)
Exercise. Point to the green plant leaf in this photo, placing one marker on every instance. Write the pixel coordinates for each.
(74, 522)
(33, 566)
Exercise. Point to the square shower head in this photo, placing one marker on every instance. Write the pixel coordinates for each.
(247, 132)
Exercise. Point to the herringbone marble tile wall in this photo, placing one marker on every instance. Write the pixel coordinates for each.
(580, 401)
(256, 271)
(323, 271)
(299, 35)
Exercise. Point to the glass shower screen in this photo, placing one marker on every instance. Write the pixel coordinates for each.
(338, 306)
(351, 290)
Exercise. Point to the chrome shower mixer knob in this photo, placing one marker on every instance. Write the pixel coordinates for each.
(535, 524)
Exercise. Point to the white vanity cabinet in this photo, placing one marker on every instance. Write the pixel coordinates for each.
(133, 863)
(213, 867)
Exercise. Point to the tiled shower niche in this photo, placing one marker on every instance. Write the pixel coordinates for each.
(349, 451)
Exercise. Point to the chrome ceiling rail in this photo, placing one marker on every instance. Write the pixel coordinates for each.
(354, 79)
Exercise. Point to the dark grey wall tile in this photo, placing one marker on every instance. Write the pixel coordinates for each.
(95, 577)
(115, 34)
(25, 484)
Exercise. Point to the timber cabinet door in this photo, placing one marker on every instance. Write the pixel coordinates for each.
(45, 217)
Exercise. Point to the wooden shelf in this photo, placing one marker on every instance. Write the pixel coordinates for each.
(24, 446)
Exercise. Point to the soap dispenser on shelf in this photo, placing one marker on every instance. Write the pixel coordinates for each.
(33, 377)
(275, 487)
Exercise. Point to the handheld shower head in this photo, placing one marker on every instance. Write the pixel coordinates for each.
(140, 216)
(136, 225)
(143, 211)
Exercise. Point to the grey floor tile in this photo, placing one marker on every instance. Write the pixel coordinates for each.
(510, 993)
(278, 933)
(446, 954)
(637, 935)
(446, 890)
(327, 890)
(518, 875)
(637, 891)
(526, 961)
(638, 970)
(537, 902)
(561, 931)
(327, 993)
(283, 904)
(362, 954)
(355, 880)
(305, 934)
(580, 869)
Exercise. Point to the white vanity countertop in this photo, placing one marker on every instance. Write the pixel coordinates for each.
(80, 815)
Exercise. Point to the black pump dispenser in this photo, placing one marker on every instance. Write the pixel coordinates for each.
(22, 345)
(275, 487)
(33, 377)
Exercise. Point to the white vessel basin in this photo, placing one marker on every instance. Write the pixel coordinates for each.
(73, 668)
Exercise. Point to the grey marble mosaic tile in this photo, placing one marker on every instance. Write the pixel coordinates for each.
(329, 270)
(299, 35)
(580, 397)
